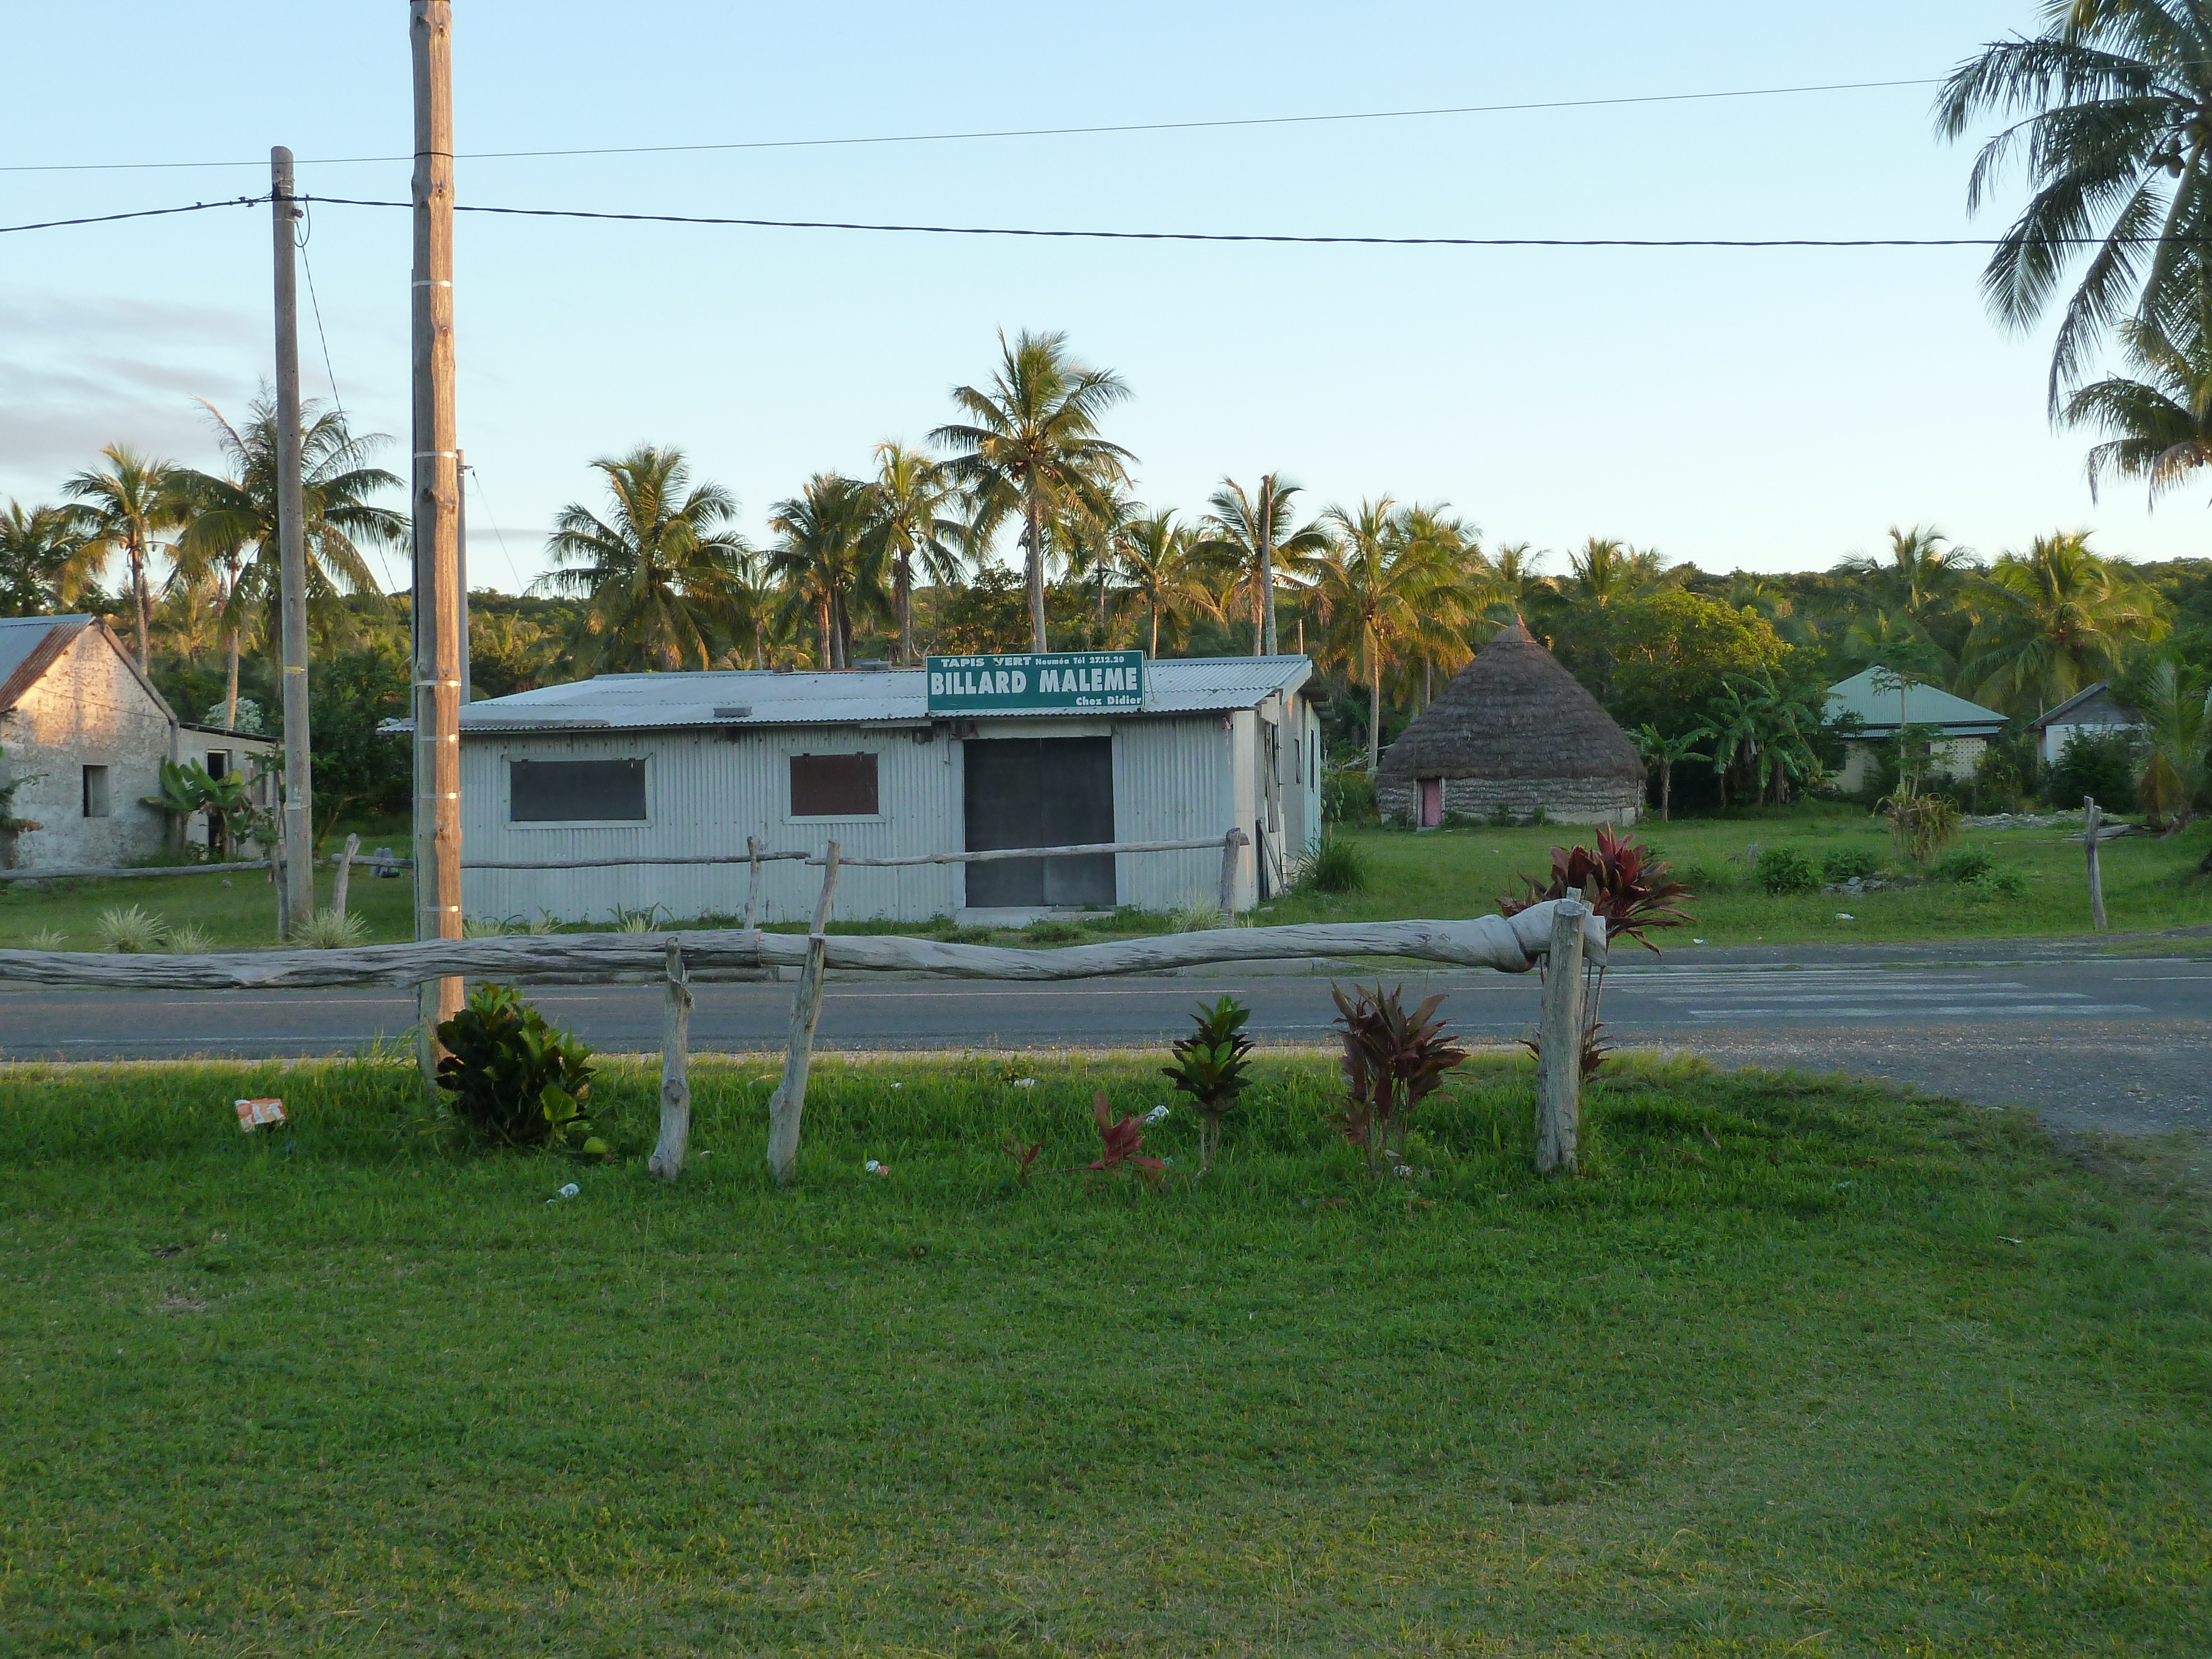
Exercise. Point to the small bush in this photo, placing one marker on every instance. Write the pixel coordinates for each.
(1786, 870)
(1848, 864)
(515, 1080)
(331, 930)
(1922, 824)
(637, 921)
(1212, 1065)
(1392, 1061)
(131, 930)
(1964, 864)
(1347, 795)
(2103, 768)
(190, 940)
(952, 935)
(1336, 865)
(1196, 916)
(1047, 930)
(1998, 881)
(46, 938)
(483, 927)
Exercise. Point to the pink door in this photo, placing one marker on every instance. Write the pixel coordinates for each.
(1432, 802)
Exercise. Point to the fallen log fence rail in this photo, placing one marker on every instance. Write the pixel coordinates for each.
(1509, 944)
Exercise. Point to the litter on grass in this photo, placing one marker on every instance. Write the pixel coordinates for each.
(569, 1191)
(876, 1168)
(254, 1114)
(1156, 1114)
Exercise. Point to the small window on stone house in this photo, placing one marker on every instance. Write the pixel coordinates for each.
(96, 801)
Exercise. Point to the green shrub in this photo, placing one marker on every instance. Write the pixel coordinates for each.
(1212, 1065)
(1047, 930)
(2101, 767)
(1347, 795)
(1786, 870)
(1848, 864)
(515, 1080)
(1998, 881)
(1964, 864)
(129, 929)
(1335, 866)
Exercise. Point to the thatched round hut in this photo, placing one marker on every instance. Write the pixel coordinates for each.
(1513, 735)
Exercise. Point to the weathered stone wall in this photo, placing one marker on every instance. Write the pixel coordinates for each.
(88, 709)
(1561, 800)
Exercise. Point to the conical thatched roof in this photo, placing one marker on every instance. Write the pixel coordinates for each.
(1514, 712)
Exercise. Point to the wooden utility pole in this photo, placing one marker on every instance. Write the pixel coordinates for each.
(1560, 1043)
(299, 832)
(437, 502)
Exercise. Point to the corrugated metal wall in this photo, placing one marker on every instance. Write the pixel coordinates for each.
(1172, 781)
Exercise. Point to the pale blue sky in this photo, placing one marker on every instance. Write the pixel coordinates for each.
(1766, 410)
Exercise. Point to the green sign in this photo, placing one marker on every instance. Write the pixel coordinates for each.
(1038, 683)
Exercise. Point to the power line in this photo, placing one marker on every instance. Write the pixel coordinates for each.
(1245, 236)
(142, 213)
(1023, 132)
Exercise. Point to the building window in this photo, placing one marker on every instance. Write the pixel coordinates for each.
(833, 787)
(218, 763)
(96, 804)
(575, 792)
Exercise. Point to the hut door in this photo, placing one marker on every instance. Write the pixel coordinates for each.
(1432, 802)
(1039, 791)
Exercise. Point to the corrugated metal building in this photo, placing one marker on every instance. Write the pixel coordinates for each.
(670, 765)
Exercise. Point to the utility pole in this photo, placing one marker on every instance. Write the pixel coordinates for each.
(291, 512)
(437, 502)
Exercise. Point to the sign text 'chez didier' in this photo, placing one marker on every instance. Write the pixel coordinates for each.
(1063, 681)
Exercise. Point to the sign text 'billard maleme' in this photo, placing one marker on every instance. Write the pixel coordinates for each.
(1070, 681)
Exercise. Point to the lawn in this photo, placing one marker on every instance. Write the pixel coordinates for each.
(1795, 1367)
(2150, 884)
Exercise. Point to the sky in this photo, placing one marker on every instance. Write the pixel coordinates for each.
(1762, 410)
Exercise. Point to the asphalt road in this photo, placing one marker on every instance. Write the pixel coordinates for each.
(2116, 1043)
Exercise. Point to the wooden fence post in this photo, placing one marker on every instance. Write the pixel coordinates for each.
(675, 1070)
(752, 885)
(345, 874)
(1559, 1065)
(2092, 821)
(785, 1110)
(278, 874)
(1229, 843)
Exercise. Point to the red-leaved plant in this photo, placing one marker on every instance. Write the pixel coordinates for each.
(1120, 1148)
(1393, 1060)
(1620, 881)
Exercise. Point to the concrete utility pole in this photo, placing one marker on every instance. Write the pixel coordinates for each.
(291, 539)
(437, 501)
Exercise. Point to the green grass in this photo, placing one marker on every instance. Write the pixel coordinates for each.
(2150, 884)
(1795, 1368)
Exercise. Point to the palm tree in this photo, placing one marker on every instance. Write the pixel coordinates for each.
(1920, 575)
(1159, 561)
(37, 550)
(2162, 422)
(907, 507)
(1249, 534)
(1666, 753)
(660, 579)
(1426, 535)
(122, 509)
(2058, 617)
(1030, 446)
(1376, 590)
(1513, 568)
(2118, 96)
(1606, 570)
(2177, 709)
(1091, 538)
(825, 559)
(231, 535)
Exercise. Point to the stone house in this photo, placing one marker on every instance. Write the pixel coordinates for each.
(82, 737)
(1515, 734)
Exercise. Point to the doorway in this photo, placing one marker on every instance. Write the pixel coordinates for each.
(1432, 802)
(1039, 791)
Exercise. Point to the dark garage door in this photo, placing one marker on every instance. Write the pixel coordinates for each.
(1039, 791)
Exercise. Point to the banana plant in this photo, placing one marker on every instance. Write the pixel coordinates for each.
(182, 791)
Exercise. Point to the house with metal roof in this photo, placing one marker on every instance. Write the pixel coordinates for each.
(968, 755)
(1884, 702)
(2092, 712)
(82, 737)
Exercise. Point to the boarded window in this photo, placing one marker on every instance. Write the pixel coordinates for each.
(96, 804)
(577, 792)
(833, 787)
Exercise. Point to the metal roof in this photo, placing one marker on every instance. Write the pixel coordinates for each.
(2093, 705)
(749, 697)
(1881, 708)
(29, 646)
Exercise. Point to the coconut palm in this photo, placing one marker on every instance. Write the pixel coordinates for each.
(660, 575)
(2177, 709)
(1606, 570)
(826, 562)
(2116, 101)
(1160, 566)
(1666, 753)
(1090, 537)
(1251, 535)
(1920, 574)
(909, 505)
(38, 550)
(2058, 616)
(1513, 568)
(2162, 422)
(230, 534)
(1030, 448)
(1377, 592)
(122, 508)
